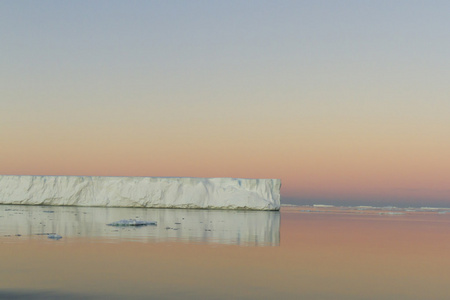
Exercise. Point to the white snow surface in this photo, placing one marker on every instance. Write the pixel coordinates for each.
(162, 192)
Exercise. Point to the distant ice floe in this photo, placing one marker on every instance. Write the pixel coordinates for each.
(391, 213)
(363, 209)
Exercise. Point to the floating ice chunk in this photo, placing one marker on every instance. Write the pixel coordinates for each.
(365, 207)
(391, 213)
(54, 236)
(429, 208)
(131, 222)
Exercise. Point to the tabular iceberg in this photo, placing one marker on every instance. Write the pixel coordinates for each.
(162, 192)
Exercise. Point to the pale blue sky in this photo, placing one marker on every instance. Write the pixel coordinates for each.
(217, 46)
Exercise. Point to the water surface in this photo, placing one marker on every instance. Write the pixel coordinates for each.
(313, 253)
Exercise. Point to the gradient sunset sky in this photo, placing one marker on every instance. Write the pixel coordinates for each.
(347, 102)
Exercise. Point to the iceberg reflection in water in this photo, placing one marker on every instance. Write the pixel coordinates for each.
(233, 227)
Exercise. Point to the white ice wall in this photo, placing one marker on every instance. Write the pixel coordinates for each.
(167, 192)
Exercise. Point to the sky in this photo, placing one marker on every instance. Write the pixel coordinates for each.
(347, 102)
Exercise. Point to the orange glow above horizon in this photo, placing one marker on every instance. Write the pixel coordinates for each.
(339, 165)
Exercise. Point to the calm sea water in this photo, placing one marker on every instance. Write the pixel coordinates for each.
(297, 253)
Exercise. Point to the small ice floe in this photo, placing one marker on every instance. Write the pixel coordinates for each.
(54, 236)
(391, 213)
(131, 222)
(171, 228)
(364, 207)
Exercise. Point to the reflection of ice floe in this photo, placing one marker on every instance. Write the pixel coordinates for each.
(247, 228)
(54, 236)
(131, 222)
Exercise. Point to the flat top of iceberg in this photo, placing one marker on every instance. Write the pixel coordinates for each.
(156, 177)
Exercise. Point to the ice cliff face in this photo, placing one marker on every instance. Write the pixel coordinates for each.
(164, 192)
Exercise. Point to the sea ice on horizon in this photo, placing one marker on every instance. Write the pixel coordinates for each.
(157, 192)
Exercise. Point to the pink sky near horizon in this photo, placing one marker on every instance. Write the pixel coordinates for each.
(310, 168)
